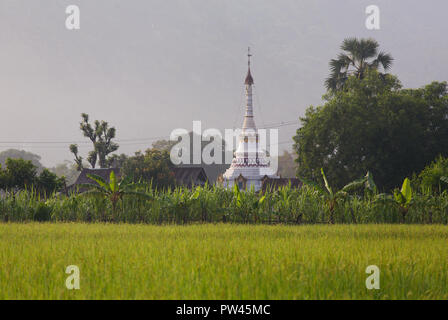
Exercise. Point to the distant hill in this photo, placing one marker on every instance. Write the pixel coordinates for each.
(21, 154)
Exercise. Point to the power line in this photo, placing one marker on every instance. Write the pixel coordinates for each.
(280, 124)
(54, 144)
(84, 141)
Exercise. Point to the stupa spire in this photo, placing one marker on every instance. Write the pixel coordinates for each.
(249, 122)
(249, 80)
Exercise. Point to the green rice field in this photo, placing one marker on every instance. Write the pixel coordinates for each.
(222, 261)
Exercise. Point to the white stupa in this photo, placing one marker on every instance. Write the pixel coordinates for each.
(249, 165)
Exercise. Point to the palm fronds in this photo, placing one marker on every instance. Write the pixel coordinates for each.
(359, 56)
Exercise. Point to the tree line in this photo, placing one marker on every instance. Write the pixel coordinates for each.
(19, 174)
(369, 122)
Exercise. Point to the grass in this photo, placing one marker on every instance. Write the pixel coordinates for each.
(222, 261)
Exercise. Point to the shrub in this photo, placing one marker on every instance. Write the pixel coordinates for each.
(42, 213)
(211, 204)
(429, 178)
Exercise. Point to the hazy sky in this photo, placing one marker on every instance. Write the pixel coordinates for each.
(149, 66)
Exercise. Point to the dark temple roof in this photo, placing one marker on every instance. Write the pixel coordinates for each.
(83, 179)
(189, 175)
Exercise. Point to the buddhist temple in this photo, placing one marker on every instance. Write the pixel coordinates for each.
(250, 164)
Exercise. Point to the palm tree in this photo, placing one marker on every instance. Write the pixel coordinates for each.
(112, 190)
(359, 56)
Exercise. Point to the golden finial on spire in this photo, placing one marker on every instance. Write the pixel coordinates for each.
(248, 56)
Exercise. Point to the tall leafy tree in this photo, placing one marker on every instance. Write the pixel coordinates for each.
(374, 125)
(116, 160)
(18, 174)
(359, 56)
(101, 136)
(153, 166)
(48, 182)
(78, 159)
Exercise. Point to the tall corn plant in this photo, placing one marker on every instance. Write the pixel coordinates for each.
(246, 205)
(179, 204)
(208, 202)
(286, 205)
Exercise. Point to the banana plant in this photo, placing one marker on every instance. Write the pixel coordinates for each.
(402, 198)
(113, 190)
(333, 197)
(247, 203)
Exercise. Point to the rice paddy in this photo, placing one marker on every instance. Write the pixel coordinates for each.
(222, 261)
